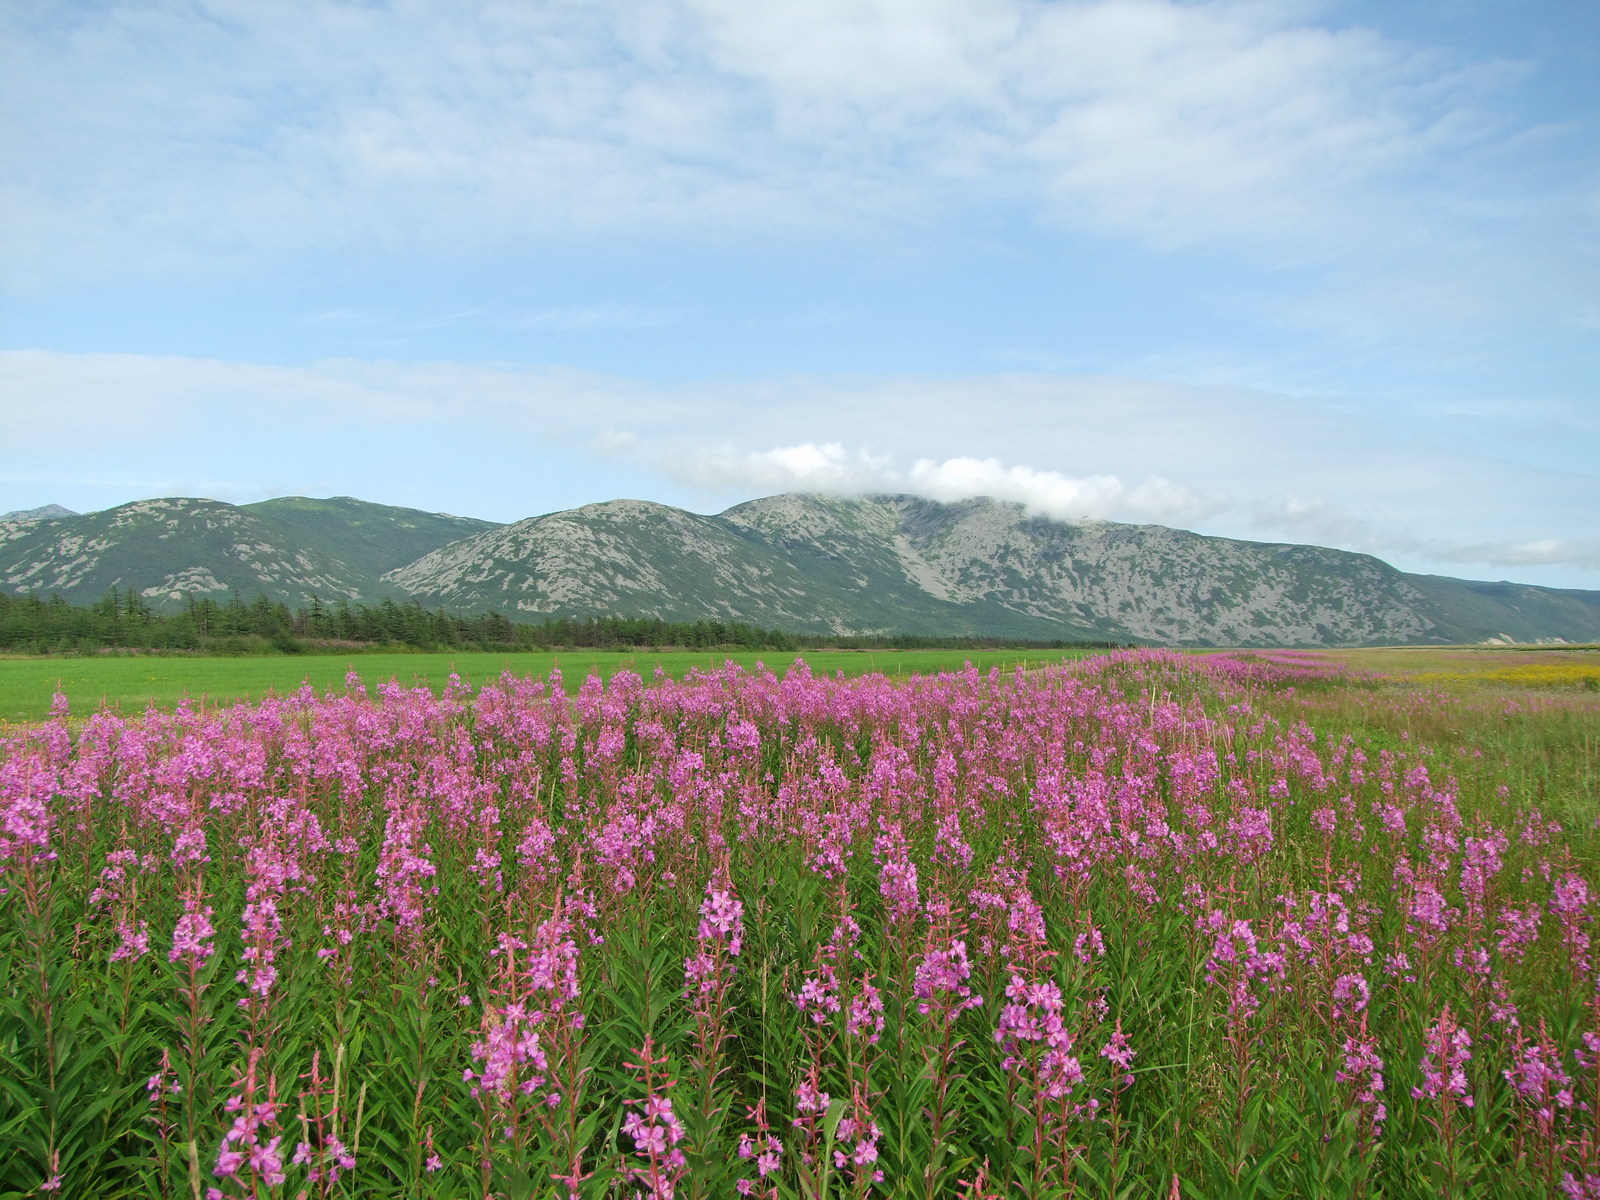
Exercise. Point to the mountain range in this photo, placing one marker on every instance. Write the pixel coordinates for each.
(800, 562)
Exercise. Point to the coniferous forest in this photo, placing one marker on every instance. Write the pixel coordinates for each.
(124, 620)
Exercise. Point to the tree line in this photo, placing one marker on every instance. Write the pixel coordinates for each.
(124, 620)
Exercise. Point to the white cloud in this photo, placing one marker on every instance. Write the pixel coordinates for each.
(829, 467)
(598, 316)
(614, 441)
(1052, 494)
(229, 125)
(570, 318)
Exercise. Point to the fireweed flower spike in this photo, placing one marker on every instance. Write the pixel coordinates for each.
(942, 995)
(1446, 1051)
(709, 973)
(1445, 1089)
(1361, 1071)
(763, 1149)
(655, 1130)
(251, 1150)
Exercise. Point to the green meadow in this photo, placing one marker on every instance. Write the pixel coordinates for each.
(136, 681)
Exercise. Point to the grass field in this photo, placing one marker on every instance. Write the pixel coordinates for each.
(1525, 666)
(130, 683)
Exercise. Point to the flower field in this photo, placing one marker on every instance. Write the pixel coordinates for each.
(1143, 925)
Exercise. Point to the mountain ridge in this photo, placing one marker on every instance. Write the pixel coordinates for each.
(803, 562)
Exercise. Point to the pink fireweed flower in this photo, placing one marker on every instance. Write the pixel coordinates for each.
(950, 848)
(1251, 833)
(1399, 966)
(846, 933)
(1480, 863)
(250, 1142)
(721, 919)
(767, 1152)
(1120, 1054)
(719, 939)
(550, 973)
(267, 1162)
(1588, 1054)
(1518, 930)
(191, 938)
(1031, 1017)
(765, 1149)
(818, 996)
(134, 943)
(1350, 995)
(808, 1098)
(656, 1131)
(1428, 915)
(1570, 904)
(1237, 962)
(1446, 1051)
(1363, 1071)
(112, 876)
(897, 877)
(165, 1081)
(513, 1058)
(940, 981)
(858, 1158)
(326, 1160)
(865, 1018)
(263, 936)
(1538, 1077)
(1089, 945)
(1473, 961)
(1025, 925)
(189, 847)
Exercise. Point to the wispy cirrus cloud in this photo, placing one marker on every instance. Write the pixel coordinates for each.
(1541, 552)
(569, 318)
(1163, 122)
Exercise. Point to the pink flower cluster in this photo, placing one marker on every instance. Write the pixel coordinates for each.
(1447, 1049)
(1034, 1037)
(656, 1132)
(940, 985)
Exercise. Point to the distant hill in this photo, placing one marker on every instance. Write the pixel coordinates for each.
(38, 514)
(289, 550)
(803, 563)
(368, 538)
(817, 564)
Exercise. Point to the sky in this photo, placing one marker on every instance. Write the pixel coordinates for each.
(1282, 271)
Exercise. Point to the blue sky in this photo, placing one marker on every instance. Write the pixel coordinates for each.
(1321, 272)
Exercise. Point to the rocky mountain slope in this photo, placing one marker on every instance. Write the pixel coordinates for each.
(290, 550)
(901, 564)
(805, 563)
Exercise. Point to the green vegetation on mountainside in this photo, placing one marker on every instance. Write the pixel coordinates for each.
(807, 564)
